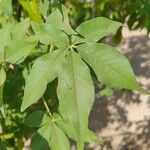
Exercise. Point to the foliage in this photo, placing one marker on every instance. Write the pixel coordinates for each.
(133, 13)
(46, 70)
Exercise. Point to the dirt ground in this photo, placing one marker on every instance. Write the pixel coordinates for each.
(123, 120)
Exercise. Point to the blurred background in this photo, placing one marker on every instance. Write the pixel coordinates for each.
(120, 117)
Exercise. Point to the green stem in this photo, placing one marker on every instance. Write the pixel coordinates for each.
(51, 48)
(80, 146)
(47, 108)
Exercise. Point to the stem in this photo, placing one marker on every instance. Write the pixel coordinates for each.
(51, 48)
(47, 108)
(93, 9)
(80, 146)
(72, 47)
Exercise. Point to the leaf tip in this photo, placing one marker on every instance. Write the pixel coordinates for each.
(142, 90)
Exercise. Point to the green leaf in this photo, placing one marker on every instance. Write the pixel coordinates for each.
(2, 146)
(20, 29)
(105, 92)
(2, 81)
(5, 38)
(111, 67)
(32, 9)
(37, 119)
(92, 138)
(95, 29)
(43, 71)
(49, 34)
(6, 8)
(7, 136)
(44, 7)
(66, 127)
(40, 139)
(70, 132)
(2, 76)
(51, 135)
(17, 50)
(2, 108)
(77, 39)
(76, 94)
(59, 18)
(58, 139)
